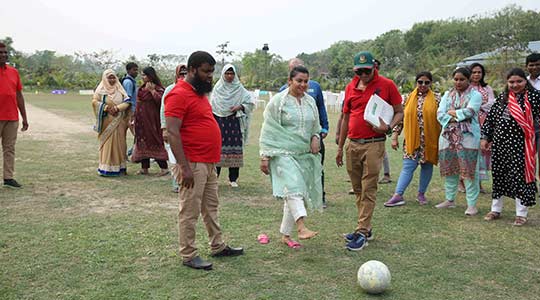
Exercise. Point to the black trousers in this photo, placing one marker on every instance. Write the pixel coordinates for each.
(234, 173)
(145, 163)
(322, 151)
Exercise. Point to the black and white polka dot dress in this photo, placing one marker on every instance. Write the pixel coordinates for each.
(508, 149)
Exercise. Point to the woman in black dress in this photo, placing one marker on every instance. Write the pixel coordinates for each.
(509, 131)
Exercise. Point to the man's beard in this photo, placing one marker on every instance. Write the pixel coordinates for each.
(201, 87)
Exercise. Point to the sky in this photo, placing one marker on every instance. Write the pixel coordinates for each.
(289, 27)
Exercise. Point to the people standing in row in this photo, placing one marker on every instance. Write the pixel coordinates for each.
(420, 145)
(386, 162)
(111, 105)
(289, 149)
(478, 72)
(179, 74)
(148, 135)
(509, 132)
(386, 169)
(129, 83)
(11, 104)
(232, 106)
(315, 91)
(365, 149)
(195, 140)
(459, 142)
(532, 63)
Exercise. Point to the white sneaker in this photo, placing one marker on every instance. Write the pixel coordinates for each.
(471, 211)
(446, 204)
(233, 184)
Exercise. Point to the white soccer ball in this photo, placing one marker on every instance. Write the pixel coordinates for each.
(374, 277)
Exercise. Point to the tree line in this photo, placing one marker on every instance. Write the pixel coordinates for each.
(435, 45)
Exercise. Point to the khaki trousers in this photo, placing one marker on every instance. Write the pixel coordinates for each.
(8, 135)
(363, 165)
(202, 200)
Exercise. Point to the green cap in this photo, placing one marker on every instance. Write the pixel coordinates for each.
(364, 60)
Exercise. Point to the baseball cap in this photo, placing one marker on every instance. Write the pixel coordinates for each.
(364, 59)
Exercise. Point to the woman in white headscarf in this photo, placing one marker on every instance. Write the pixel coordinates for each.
(111, 103)
(232, 105)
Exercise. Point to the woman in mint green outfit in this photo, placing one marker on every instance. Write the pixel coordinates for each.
(459, 143)
(289, 149)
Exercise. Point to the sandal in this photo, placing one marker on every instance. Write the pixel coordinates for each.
(519, 221)
(385, 180)
(492, 215)
(293, 244)
(263, 239)
(163, 172)
(142, 172)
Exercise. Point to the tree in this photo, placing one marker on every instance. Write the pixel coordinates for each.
(434, 46)
(165, 65)
(224, 52)
(14, 55)
(100, 60)
(263, 70)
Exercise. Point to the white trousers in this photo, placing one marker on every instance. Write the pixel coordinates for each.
(521, 210)
(293, 209)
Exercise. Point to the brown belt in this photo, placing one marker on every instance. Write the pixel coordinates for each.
(370, 140)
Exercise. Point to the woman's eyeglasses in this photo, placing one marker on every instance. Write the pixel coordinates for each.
(362, 71)
(422, 82)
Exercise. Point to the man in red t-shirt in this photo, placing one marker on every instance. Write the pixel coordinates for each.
(365, 150)
(11, 103)
(195, 140)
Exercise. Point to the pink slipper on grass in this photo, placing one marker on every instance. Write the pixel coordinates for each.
(293, 244)
(263, 239)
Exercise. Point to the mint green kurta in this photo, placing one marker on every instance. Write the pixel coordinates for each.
(286, 137)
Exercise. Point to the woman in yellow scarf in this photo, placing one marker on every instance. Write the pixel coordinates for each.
(111, 103)
(420, 145)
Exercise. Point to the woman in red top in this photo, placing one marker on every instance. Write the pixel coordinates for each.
(148, 136)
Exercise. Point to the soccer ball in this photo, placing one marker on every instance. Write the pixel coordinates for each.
(374, 277)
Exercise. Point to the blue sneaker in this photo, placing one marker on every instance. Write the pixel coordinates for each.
(350, 236)
(358, 243)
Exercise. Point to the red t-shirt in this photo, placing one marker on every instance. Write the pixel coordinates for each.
(10, 84)
(200, 132)
(356, 102)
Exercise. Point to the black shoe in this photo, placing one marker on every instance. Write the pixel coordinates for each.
(351, 236)
(229, 251)
(11, 183)
(198, 263)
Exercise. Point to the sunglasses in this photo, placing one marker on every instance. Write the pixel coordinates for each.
(183, 73)
(362, 71)
(422, 82)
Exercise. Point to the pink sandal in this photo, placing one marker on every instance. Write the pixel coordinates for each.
(293, 244)
(263, 239)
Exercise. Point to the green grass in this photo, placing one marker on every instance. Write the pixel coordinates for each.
(70, 234)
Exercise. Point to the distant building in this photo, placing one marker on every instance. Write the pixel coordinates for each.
(483, 58)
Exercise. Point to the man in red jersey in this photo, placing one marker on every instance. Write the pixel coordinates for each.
(11, 103)
(365, 150)
(195, 140)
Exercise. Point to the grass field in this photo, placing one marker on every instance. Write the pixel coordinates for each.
(70, 234)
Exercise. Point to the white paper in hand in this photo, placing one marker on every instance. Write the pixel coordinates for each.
(376, 108)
